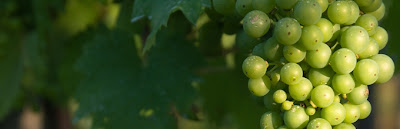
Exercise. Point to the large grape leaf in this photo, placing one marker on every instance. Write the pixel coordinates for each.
(158, 11)
(121, 91)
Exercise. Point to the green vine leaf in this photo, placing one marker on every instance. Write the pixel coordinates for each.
(158, 11)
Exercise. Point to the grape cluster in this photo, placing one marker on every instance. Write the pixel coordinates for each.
(324, 55)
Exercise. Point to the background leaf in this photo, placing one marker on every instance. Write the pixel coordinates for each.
(158, 11)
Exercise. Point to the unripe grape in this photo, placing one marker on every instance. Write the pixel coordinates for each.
(271, 120)
(254, 67)
(256, 23)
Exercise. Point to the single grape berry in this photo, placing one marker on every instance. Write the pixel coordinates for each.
(311, 37)
(271, 120)
(366, 71)
(334, 113)
(302, 90)
(381, 37)
(339, 12)
(291, 73)
(307, 12)
(319, 123)
(365, 109)
(254, 67)
(355, 38)
(322, 96)
(260, 86)
(296, 117)
(386, 67)
(343, 61)
(256, 23)
(359, 94)
(280, 96)
(287, 31)
(368, 22)
(352, 113)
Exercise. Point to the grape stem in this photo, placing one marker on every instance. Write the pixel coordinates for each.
(312, 104)
(277, 16)
(334, 46)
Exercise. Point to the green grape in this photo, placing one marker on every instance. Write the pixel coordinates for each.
(365, 109)
(336, 99)
(320, 76)
(319, 57)
(307, 12)
(271, 120)
(359, 94)
(335, 32)
(354, 12)
(285, 4)
(319, 123)
(287, 105)
(296, 117)
(291, 73)
(245, 42)
(386, 67)
(343, 61)
(264, 5)
(372, 7)
(366, 71)
(339, 12)
(368, 22)
(311, 37)
(334, 113)
(287, 31)
(301, 91)
(224, 7)
(244, 6)
(343, 83)
(258, 50)
(269, 102)
(294, 53)
(256, 23)
(372, 49)
(352, 113)
(364, 2)
(275, 77)
(344, 126)
(381, 37)
(323, 4)
(280, 96)
(379, 13)
(260, 86)
(322, 96)
(254, 67)
(326, 28)
(355, 38)
(272, 49)
(310, 111)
